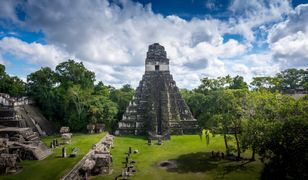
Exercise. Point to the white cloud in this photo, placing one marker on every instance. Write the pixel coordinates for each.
(240, 69)
(7, 10)
(111, 38)
(288, 40)
(254, 14)
(35, 53)
(116, 35)
(291, 51)
(296, 21)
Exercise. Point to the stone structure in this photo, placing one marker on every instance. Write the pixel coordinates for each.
(23, 142)
(8, 163)
(95, 128)
(98, 161)
(91, 128)
(64, 130)
(66, 138)
(21, 112)
(157, 109)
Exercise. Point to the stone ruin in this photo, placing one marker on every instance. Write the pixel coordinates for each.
(8, 163)
(91, 128)
(129, 168)
(23, 142)
(95, 128)
(97, 162)
(22, 113)
(157, 108)
(64, 130)
(21, 125)
(66, 136)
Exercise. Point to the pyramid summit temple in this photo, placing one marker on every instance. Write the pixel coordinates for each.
(157, 108)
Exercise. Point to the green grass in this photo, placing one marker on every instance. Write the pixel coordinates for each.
(54, 167)
(193, 157)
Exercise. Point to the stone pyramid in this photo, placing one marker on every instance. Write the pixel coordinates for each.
(157, 108)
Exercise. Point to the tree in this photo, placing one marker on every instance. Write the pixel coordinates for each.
(76, 101)
(73, 73)
(264, 110)
(197, 103)
(265, 83)
(284, 153)
(208, 85)
(15, 86)
(11, 85)
(102, 110)
(225, 114)
(286, 81)
(2, 71)
(238, 83)
(41, 86)
(292, 79)
(257, 123)
(101, 89)
(301, 110)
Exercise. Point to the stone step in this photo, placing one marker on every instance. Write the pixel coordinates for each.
(31, 137)
(40, 154)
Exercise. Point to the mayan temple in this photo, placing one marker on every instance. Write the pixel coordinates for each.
(157, 108)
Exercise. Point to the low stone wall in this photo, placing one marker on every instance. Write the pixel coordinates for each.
(92, 159)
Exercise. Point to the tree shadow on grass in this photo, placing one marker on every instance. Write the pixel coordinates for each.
(203, 162)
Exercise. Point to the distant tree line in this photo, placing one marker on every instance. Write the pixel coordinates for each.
(287, 81)
(260, 119)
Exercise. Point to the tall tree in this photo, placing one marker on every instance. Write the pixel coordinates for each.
(292, 79)
(208, 84)
(285, 152)
(72, 73)
(41, 86)
(11, 85)
(225, 114)
(265, 83)
(238, 83)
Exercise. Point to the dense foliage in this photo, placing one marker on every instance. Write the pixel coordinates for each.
(11, 84)
(269, 123)
(69, 96)
(287, 81)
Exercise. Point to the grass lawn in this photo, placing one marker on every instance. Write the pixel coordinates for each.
(54, 167)
(193, 157)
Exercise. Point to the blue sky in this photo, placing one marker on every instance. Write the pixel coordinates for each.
(206, 38)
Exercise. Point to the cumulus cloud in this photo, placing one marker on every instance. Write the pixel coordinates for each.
(34, 53)
(8, 10)
(240, 69)
(288, 40)
(291, 51)
(255, 13)
(116, 35)
(296, 21)
(111, 38)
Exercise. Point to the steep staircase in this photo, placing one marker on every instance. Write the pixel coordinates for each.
(22, 113)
